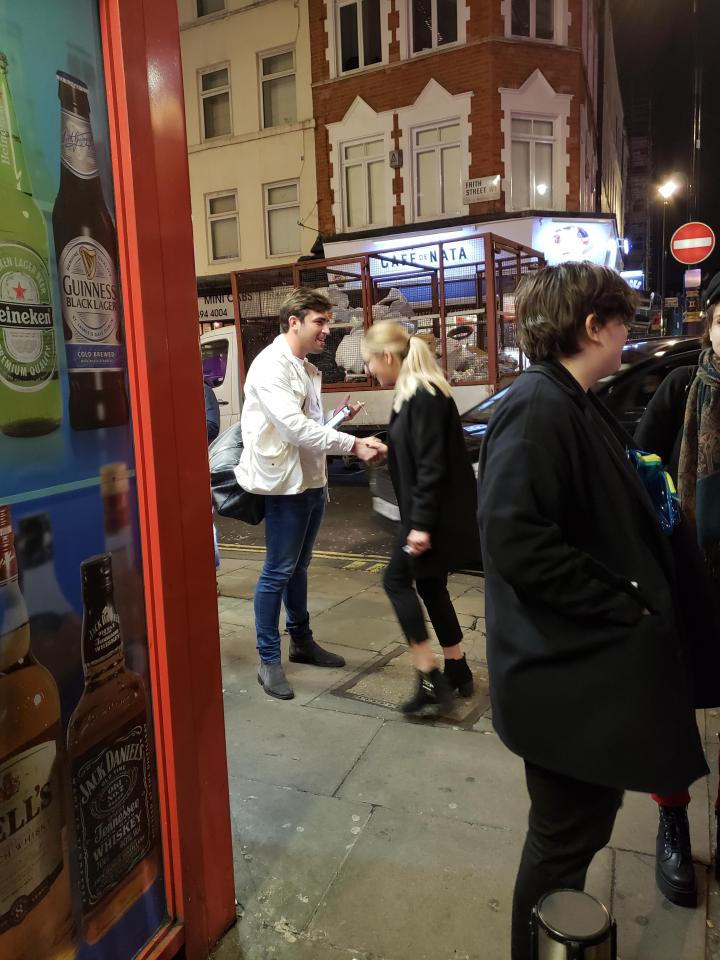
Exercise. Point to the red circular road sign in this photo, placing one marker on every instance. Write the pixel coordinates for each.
(692, 242)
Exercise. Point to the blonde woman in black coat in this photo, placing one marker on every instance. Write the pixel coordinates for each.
(435, 489)
(589, 680)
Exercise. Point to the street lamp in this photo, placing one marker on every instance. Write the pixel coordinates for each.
(666, 191)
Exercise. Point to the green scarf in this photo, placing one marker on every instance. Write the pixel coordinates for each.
(699, 469)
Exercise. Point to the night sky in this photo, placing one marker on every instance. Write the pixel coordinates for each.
(654, 45)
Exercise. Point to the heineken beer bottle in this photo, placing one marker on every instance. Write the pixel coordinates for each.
(30, 402)
(86, 248)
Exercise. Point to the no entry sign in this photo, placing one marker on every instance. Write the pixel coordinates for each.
(692, 242)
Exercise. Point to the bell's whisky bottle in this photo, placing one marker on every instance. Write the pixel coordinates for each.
(55, 628)
(30, 401)
(36, 919)
(86, 248)
(115, 827)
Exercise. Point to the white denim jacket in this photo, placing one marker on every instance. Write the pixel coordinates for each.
(284, 440)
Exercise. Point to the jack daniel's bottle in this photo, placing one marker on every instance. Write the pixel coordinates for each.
(86, 248)
(110, 765)
(36, 921)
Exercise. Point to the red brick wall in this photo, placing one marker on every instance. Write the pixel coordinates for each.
(486, 62)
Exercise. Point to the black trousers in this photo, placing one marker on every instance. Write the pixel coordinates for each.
(569, 823)
(398, 581)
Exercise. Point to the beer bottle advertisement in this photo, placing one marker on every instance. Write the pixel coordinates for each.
(81, 864)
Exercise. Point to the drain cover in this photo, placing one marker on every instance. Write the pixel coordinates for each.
(390, 680)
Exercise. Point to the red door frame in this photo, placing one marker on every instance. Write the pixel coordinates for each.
(143, 76)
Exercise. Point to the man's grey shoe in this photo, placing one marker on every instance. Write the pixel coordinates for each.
(271, 677)
(307, 651)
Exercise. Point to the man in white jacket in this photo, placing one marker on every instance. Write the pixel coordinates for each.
(284, 458)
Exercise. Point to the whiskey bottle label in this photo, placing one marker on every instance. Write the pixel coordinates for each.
(112, 800)
(31, 826)
(88, 282)
(102, 639)
(27, 339)
(77, 148)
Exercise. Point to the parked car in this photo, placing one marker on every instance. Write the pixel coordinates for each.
(645, 364)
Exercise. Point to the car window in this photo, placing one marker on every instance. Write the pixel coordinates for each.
(629, 396)
(214, 361)
(482, 412)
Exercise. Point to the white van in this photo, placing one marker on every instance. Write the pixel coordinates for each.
(221, 369)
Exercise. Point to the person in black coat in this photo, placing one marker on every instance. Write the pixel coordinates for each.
(589, 681)
(673, 427)
(435, 489)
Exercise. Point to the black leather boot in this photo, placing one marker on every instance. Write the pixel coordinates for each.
(432, 690)
(459, 677)
(306, 650)
(674, 872)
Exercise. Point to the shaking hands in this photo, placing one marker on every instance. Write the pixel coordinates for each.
(370, 450)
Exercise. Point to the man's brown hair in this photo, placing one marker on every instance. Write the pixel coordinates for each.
(553, 303)
(299, 303)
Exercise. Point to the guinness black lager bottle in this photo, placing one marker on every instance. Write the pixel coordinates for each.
(86, 247)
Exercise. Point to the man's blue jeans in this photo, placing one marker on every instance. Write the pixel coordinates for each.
(291, 526)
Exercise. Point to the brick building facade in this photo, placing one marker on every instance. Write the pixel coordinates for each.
(465, 89)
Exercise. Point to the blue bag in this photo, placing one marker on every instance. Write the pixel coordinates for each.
(660, 487)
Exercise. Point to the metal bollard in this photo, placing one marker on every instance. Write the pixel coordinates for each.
(572, 925)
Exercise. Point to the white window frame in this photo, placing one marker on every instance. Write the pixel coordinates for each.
(360, 122)
(214, 217)
(437, 149)
(434, 107)
(206, 94)
(262, 79)
(268, 209)
(215, 13)
(538, 100)
(532, 140)
(406, 29)
(561, 22)
(370, 138)
(339, 4)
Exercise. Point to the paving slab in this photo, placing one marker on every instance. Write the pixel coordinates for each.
(238, 583)
(351, 631)
(293, 844)
(649, 926)
(472, 602)
(236, 642)
(423, 888)
(280, 742)
(266, 941)
(451, 774)
(361, 607)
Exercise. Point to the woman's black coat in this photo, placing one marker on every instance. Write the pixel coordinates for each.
(434, 482)
(583, 680)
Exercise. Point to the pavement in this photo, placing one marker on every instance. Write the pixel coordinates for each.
(360, 835)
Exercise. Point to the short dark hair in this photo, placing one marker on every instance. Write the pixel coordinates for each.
(553, 303)
(300, 302)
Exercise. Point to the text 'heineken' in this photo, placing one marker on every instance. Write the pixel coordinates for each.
(30, 403)
(86, 248)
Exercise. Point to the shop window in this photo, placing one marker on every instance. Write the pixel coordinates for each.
(364, 192)
(438, 171)
(282, 213)
(206, 7)
(359, 34)
(534, 19)
(434, 23)
(277, 82)
(215, 102)
(533, 146)
(223, 226)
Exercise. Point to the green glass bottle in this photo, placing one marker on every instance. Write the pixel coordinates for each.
(30, 401)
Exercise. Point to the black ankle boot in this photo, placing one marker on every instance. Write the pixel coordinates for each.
(674, 873)
(459, 677)
(432, 690)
